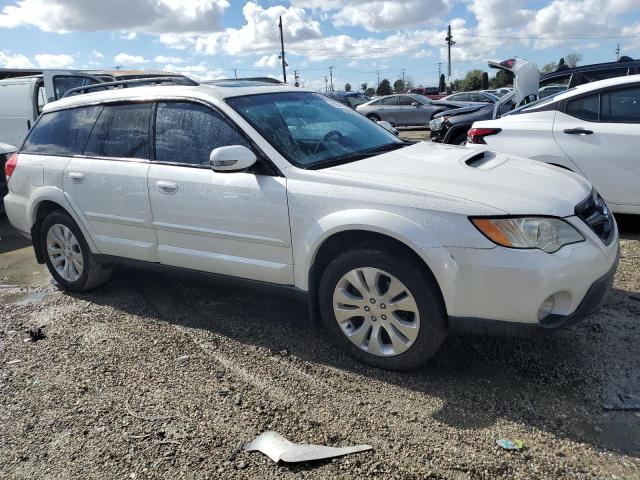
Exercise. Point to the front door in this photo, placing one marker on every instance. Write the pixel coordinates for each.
(232, 223)
(600, 133)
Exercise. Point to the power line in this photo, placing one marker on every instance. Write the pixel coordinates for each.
(601, 37)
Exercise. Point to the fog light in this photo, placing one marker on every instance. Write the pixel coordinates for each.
(546, 308)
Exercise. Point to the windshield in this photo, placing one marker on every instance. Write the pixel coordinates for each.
(355, 100)
(311, 130)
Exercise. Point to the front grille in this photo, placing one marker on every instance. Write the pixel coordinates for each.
(594, 212)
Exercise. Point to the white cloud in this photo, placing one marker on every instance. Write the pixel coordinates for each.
(96, 55)
(379, 15)
(268, 61)
(47, 60)
(129, 36)
(199, 72)
(148, 16)
(166, 59)
(8, 60)
(128, 60)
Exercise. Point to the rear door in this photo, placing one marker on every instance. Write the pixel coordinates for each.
(388, 110)
(599, 133)
(107, 184)
(231, 223)
(59, 82)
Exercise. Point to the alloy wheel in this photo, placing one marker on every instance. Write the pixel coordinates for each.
(64, 252)
(376, 311)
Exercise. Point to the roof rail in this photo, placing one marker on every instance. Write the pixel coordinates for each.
(132, 83)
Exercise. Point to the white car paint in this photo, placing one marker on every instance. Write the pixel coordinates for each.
(608, 157)
(270, 228)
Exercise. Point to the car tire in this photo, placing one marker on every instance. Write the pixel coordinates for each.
(422, 292)
(68, 256)
(460, 140)
(373, 117)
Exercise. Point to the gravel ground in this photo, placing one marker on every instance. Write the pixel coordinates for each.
(160, 377)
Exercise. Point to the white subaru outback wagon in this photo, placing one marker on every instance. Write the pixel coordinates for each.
(394, 242)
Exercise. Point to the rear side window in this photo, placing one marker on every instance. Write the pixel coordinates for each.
(389, 101)
(62, 133)
(621, 106)
(122, 131)
(586, 108)
(188, 132)
(404, 100)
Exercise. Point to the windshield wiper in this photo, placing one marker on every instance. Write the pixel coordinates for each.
(351, 157)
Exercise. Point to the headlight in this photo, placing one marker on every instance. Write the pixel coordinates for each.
(436, 123)
(545, 233)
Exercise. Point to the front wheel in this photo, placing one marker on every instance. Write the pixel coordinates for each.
(382, 308)
(68, 256)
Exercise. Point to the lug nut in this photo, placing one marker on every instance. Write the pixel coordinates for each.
(382, 305)
(384, 317)
(373, 301)
(366, 308)
(373, 318)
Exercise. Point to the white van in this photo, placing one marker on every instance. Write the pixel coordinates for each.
(22, 99)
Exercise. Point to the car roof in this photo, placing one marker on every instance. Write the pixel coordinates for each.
(213, 93)
(588, 87)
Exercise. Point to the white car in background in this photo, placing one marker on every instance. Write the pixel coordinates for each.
(592, 129)
(392, 242)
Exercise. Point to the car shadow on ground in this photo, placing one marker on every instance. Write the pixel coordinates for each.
(538, 381)
(629, 226)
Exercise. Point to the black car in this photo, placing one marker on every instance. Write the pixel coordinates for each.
(452, 126)
(350, 99)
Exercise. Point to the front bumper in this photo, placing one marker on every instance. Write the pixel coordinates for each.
(503, 287)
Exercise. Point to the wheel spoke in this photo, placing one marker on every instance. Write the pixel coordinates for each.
(407, 329)
(407, 304)
(371, 276)
(65, 270)
(344, 297)
(344, 314)
(375, 342)
(359, 336)
(399, 343)
(395, 288)
(353, 277)
(54, 249)
(57, 261)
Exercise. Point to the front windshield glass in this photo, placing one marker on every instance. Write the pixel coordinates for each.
(311, 130)
(355, 100)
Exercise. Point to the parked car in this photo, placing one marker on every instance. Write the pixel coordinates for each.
(22, 98)
(592, 129)
(392, 242)
(572, 77)
(5, 152)
(350, 99)
(551, 90)
(471, 98)
(432, 93)
(404, 109)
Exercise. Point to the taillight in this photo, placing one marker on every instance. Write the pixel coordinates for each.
(10, 166)
(476, 135)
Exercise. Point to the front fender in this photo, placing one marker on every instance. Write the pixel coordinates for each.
(413, 235)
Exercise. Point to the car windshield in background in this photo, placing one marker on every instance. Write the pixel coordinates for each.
(355, 100)
(311, 130)
(541, 102)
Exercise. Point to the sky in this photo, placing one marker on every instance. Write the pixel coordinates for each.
(209, 39)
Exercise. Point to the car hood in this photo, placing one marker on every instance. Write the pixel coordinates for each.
(463, 110)
(515, 186)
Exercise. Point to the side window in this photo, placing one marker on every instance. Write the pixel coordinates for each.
(560, 80)
(461, 97)
(586, 108)
(188, 132)
(389, 101)
(63, 83)
(596, 75)
(122, 131)
(62, 133)
(404, 100)
(621, 106)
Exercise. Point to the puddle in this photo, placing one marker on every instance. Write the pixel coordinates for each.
(25, 298)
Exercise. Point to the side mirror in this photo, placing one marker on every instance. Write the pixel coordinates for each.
(231, 159)
(387, 126)
(415, 104)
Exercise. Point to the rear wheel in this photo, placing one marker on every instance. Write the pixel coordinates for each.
(382, 309)
(68, 256)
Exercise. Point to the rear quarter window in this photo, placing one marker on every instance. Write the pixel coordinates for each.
(64, 132)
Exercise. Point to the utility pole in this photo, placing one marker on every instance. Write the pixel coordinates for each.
(439, 70)
(331, 75)
(403, 79)
(450, 42)
(235, 72)
(618, 52)
(378, 84)
(284, 63)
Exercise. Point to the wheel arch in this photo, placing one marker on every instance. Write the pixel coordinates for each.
(45, 201)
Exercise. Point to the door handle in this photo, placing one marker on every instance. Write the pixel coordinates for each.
(166, 187)
(76, 177)
(577, 131)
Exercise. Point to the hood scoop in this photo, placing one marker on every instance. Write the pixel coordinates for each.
(484, 161)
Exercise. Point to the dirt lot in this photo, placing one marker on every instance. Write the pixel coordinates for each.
(158, 377)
